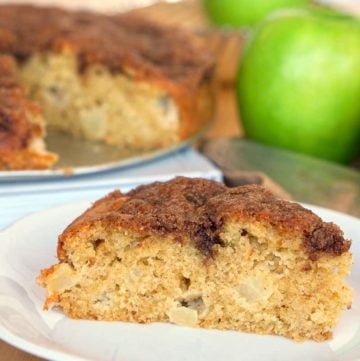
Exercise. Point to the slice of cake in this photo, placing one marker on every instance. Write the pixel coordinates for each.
(117, 79)
(21, 125)
(195, 253)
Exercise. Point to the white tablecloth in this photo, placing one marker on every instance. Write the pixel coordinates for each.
(17, 199)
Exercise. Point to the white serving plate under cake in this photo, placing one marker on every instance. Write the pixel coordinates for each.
(29, 245)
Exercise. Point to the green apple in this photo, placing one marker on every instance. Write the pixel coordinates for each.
(298, 84)
(244, 12)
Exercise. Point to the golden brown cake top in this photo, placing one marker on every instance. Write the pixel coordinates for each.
(120, 42)
(15, 128)
(198, 208)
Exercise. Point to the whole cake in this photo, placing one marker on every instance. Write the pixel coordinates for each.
(118, 79)
(195, 253)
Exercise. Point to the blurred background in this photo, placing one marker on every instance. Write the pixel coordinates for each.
(302, 92)
(304, 98)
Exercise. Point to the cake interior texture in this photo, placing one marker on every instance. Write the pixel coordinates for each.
(98, 105)
(236, 267)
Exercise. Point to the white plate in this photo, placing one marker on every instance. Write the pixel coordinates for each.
(30, 244)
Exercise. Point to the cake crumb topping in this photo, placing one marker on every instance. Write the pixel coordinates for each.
(197, 209)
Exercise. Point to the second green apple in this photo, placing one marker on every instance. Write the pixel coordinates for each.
(245, 12)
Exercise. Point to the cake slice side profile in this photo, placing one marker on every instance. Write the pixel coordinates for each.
(195, 253)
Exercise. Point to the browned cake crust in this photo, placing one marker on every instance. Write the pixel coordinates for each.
(167, 57)
(196, 209)
(17, 131)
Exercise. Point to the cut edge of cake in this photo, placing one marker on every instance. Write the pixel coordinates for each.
(22, 127)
